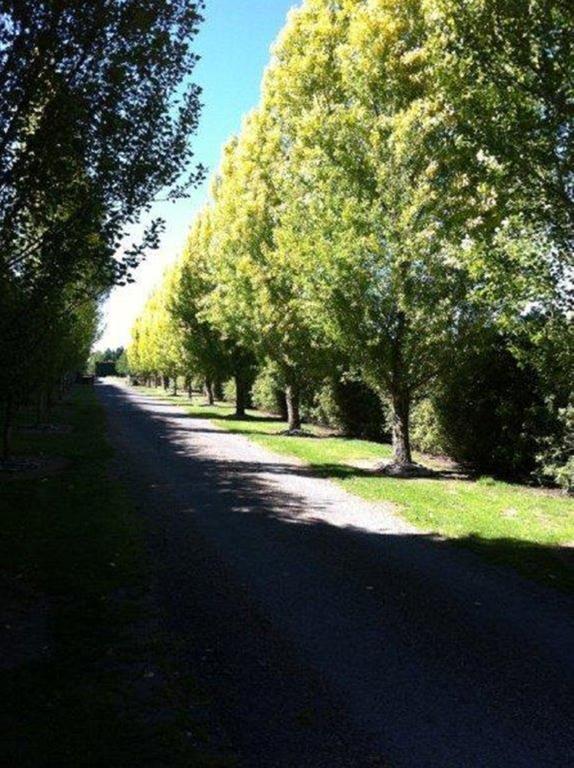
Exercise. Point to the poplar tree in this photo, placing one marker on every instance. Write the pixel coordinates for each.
(505, 73)
(96, 110)
(203, 348)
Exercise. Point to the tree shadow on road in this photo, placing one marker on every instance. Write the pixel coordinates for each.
(279, 593)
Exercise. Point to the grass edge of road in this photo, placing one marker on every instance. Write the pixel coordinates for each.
(529, 529)
(86, 660)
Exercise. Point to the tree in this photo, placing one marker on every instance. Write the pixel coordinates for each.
(348, 91)
(92, 95)
(257, 296)
(406, 176)
(53, 366)
(156, 338)
(208, 350)
(393, 228)
(122, 363)
(505, 73)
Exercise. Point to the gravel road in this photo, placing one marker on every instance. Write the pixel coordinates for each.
(328, 631)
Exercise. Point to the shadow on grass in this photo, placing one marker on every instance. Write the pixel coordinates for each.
(552, 565)
(345, 471)
(549, 565)
(246, 418)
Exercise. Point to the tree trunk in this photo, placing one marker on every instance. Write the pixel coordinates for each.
(166, 383)
(293, 414)
(217, 389)
(175, 386)
(189, 387)
(7, 427)
(240, 396)
(209, 392)
(281, 404)
(401, 428)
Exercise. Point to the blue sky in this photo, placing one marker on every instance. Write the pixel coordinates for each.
(234, 43)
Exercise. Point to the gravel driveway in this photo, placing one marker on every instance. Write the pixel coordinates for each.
(328, 630)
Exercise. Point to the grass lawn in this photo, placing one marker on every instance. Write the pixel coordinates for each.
(530, 529)
(73, 594)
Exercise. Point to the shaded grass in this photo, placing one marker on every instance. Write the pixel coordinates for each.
(75, 575)
(62, 531)
(527, 528)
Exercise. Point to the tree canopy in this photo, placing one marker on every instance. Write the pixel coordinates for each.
(403, 191)
(96, 111)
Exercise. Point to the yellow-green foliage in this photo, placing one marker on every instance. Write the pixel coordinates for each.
(155, 346)
(365, 216)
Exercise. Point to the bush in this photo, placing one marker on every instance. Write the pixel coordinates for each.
(229, 391)
(491, 410)
(427, 434)
(268, 391)
(556, 459)
(348, 404)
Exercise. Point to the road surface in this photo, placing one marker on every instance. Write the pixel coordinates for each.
(329, 632)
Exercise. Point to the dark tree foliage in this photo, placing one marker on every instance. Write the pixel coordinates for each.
(109, 355)
(359, 411)
(492, 409)
(96, 110)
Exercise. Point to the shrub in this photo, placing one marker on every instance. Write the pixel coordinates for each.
(268, 392)
(229, 391)
(556, 459)
(347, 403)
(491, 410)
(427, 434)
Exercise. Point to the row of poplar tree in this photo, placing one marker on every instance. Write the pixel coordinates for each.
(398, 210)
(96, 108)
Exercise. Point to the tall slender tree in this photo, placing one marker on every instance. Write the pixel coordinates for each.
(258, 295)
(96, 110)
